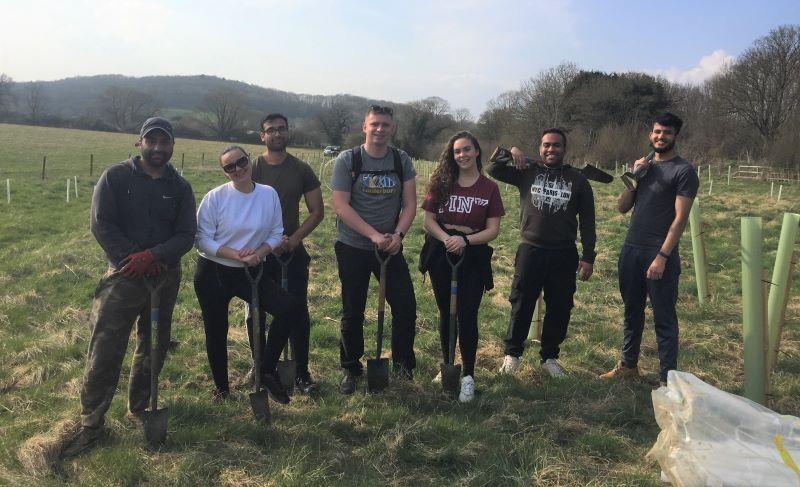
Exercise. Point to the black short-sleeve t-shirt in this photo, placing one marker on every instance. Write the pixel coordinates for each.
(292, 179)
(654, 206)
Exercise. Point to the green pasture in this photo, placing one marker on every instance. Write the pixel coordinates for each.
(522, 430)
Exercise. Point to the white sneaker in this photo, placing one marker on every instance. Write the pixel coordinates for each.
(467, 393)
(510, 365)
(551, 367)
(438, 378)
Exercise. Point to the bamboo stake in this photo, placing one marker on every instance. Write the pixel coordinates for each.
(699, 252)
(780, 190)
(8, 191)
(44, 164)
(771, 189)
(752, 312)
(75, 186)
(710, 186)
(781, 280)
(535, 332)
(729, 175)
(68, 181)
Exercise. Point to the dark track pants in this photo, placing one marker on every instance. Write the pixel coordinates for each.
(355, 267)
(118, 302)
(215, 285)
(635, 289)
(536, 269)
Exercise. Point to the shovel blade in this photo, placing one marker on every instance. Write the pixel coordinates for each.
(287, 371)
(155, 427)
(260, 406)
(451, 378)
(377, 374)
(596, 174)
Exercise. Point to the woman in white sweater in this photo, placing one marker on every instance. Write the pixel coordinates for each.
(238, 224)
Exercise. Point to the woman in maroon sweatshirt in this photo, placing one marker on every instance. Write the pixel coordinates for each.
(462, 214)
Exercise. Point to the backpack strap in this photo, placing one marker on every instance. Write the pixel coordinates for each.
(357, 163)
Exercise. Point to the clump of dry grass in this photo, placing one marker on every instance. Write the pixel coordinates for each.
(41, 454)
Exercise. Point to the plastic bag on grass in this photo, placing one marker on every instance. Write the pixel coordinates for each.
(711, 437)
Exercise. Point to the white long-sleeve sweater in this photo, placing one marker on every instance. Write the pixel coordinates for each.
(230, 218)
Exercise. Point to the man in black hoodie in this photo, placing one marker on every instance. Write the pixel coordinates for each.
(143, 216)
(555, 199)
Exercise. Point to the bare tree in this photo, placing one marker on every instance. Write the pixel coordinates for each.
(540, 101)
(125, 109)
(6, 98)
(36, 100)
(463, 117)
(335, 121)
(222, 112)
(763, 86)
(423, 121)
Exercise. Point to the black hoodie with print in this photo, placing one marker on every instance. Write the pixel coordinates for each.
(552, 203)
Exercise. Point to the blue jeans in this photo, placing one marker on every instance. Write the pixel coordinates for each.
(635, 289)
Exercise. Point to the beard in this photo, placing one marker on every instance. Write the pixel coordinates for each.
(668, 147)
(156, 158)
(276, 145)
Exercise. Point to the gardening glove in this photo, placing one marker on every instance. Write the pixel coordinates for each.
(135, 265)
(156, 268)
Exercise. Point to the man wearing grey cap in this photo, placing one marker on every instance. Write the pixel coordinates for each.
(143, 216)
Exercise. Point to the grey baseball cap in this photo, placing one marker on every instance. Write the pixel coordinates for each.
(156, 123)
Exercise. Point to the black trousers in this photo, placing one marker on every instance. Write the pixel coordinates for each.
(635, 288)
(468, 295)
(297, 271)
(215, 285)
(536, 269)
(355, 267)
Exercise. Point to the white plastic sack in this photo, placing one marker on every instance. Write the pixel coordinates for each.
(711, 437)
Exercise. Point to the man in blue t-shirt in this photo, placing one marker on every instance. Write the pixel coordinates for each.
(649, 264)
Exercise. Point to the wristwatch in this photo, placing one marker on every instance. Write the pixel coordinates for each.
(466, 240)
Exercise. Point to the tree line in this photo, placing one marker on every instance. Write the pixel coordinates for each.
(747, 112)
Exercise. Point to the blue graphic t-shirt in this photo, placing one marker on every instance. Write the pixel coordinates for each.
(375, 195)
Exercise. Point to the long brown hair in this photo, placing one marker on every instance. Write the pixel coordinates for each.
(445, 174)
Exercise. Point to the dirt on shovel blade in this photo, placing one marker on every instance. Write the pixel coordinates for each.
(155, 426)
(451, 378)
(377, 374)
(260, 406)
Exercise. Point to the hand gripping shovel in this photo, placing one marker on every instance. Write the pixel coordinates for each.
(287, 368)
(451, 374)
(378, 368)
(631, 179)
(154, 420)
(259, 402)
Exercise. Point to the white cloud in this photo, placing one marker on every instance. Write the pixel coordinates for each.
(707, 67)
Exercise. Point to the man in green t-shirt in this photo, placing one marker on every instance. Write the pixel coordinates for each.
(293, 179)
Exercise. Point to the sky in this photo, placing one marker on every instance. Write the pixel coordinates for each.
(466, 51)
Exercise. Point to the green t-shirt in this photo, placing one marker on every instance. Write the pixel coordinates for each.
(291, 179)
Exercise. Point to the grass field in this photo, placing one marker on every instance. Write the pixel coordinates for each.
(520, 430)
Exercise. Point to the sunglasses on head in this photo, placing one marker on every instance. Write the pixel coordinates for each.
(381, 110)
(241, 162)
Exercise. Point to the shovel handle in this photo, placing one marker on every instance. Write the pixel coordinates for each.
(255, 313)
(451, 356)
(154, 286)
(381, 299)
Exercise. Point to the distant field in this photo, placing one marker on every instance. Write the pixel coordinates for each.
(528, 429)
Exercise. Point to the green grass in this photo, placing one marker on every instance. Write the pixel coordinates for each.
(521, 430)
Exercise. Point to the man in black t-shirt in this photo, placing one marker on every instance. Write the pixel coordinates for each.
(293, 179)
(649, 264)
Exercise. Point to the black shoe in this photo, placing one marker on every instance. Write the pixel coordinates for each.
(219, 395)
(275, 389)
(305, 385)
(348, 384)
(402, 373)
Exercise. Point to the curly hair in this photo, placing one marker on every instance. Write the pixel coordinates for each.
(445, 174)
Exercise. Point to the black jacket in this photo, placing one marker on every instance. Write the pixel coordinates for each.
(132, 212)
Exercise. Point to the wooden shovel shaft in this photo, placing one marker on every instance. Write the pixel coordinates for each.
(381, 307)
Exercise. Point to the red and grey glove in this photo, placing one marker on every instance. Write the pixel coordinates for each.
(135, 265)
(156, 268)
